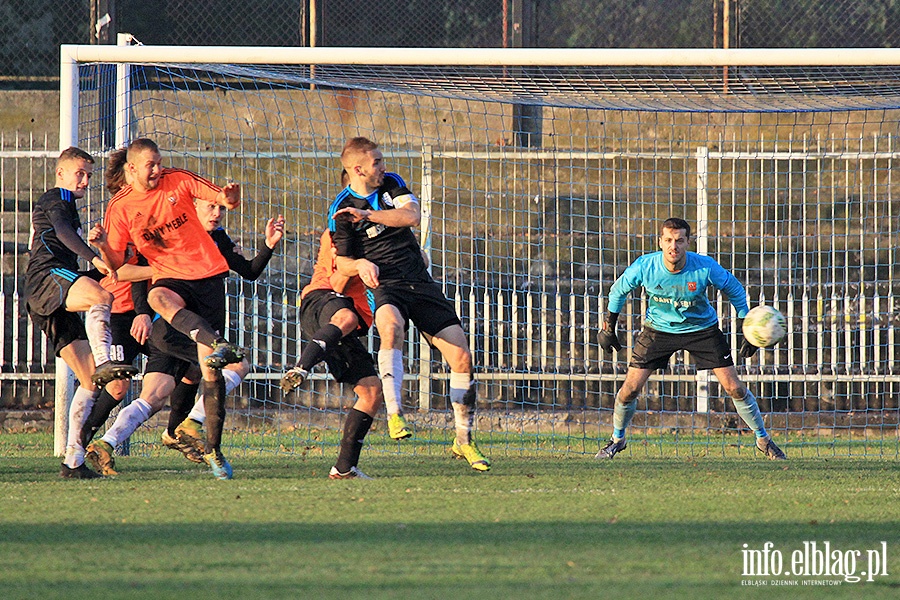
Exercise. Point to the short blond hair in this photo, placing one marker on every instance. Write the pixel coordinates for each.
(354, 150)
(139, 145)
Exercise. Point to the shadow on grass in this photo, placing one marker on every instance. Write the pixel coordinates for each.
(404, 559)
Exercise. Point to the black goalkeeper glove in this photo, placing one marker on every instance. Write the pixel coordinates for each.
(747, 349)
(607, 337)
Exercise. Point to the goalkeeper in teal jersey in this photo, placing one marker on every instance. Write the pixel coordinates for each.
(679, 317)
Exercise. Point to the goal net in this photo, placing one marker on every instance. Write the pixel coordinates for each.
(542, 174)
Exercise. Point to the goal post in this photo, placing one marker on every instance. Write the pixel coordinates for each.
(783, 165)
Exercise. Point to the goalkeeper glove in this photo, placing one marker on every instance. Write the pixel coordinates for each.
(747, 349)
(607, 337)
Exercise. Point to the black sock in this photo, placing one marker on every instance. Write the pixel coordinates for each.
(181, 401)
(103, 405)
(195, 327)
(214, 404)
(314, 352)
(356, 426)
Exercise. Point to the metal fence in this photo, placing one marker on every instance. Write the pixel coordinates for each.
(841, 354)
(31, 32)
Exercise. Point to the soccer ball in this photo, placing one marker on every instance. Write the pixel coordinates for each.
(764, 326)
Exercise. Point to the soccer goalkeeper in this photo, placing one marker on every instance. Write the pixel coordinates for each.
(679, 317)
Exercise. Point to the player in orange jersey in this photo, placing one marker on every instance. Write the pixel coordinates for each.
(156, 213)
(131, 317)
(334, 313)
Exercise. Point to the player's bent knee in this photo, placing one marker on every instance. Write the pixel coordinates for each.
(737, 393)
(118, 388)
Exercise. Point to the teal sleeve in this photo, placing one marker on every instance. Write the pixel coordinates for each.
(627, 281)
(731, 287)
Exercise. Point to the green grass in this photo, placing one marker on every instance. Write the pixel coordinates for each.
(429, 527)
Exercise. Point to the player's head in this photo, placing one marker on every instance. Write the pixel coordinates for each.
(364, 164)
(209, 213)
(674, 236)
(116, 176)
(73, 170)
(345, 179)
(144, 164)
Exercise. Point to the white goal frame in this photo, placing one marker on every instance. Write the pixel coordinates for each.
(124, 54)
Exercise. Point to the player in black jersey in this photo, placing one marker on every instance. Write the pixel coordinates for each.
(372, 221)
(55, 291)
(185, 422)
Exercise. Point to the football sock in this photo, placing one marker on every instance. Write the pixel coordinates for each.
(232, 380)
(323, 340)
(622, 414)
(214, 405)
(195, 327)
(390, 367)
(82, 401)
(181, 400)
(462, 399)
(96, 325)
(356, 426)
(128, 420)
(748, 410)
(103, 406)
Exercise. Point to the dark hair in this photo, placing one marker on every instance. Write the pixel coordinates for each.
(72, 153)
(676, 223)
(345, 178)
(115, 170)
(139, 145)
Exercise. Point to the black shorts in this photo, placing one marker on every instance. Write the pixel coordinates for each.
(46, 291)
(349, 362)
(709, 348)
(423, 303)
(124, 347)
(165, 339)
(206, 297)
(61, 327)
(170, 351)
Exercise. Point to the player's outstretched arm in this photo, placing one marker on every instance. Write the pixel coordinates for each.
(408, 215)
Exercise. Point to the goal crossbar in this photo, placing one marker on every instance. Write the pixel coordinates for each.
(559, 57)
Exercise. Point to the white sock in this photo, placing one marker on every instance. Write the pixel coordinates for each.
(232, 380)
(463, 415)
(96, 324)
(198, 413)
(80, 408)
(390, 367)
(128, 420)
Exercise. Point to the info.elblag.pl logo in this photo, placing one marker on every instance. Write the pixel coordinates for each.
(814, 563)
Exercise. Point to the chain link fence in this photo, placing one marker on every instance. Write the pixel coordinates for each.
(31, 32)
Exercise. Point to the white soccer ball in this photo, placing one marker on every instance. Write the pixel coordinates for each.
(764, 326)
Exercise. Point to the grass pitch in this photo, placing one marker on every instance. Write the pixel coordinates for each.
(430, 527)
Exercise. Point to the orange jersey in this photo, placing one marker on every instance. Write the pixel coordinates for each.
(121, 290)
(164, 227)
(321, 280)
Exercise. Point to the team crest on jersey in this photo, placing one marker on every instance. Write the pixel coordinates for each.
(376, 229)
(692, 285)
(172, 200)
(386, 200)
